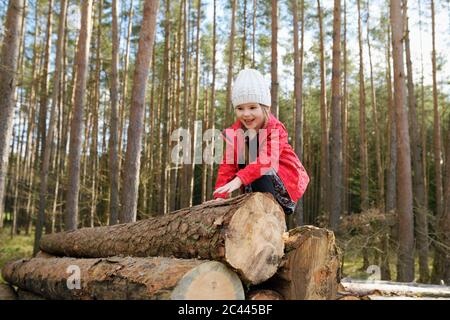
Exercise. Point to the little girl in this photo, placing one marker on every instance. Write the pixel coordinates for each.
(273, 167)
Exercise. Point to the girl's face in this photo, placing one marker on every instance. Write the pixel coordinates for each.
(251, 115)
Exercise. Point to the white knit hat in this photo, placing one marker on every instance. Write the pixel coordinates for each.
(250, 87)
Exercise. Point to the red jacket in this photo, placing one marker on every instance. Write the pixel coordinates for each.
(274, 152)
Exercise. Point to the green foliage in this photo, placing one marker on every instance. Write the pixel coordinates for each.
(21, 246)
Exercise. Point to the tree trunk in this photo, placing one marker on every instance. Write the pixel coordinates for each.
(134, 142)
(123, 104)
(437, 273)
(420, 206)
(43, 192)
(336, 136)
(43, 89)
(444, 221)
(119, 278)
(379, 164)
(254, 34)
(8, 61)
(437, 123)
(405, 265)
(194, 111)
(245, 232)
(114, 174)
(162, 203)
(310, 268)
(391, 176)
(229, 106)
(209, 188)
(324, 204)
(362, 122)
(274, 57)
(345, 122)
(76, 130)
(184, 200)
(298, 87)
(244, 36)
(93, 153)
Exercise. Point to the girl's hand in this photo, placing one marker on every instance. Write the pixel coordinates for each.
(214, 200)
(234, 184)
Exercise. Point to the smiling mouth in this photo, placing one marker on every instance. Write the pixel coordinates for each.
(249, 122)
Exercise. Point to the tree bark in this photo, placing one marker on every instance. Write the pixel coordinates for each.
(129, 194)
(298, 87)
(379, 164)
(274, 57)
(43, 89)
(405, 265)
(114, 174)
(229, 106)
(162, 203)
(345, 122)
(444, 231)
(336, 136)
(244, 36)
(254, 34)
(8, 62)
(119, 278)
(45, 165)
(76, 130)
(420, 206)
(123, 104)
(362, 122)
(209, 188)
(437, 272)
(245, 232)
(391, 176)
(324, 204)
(437, 122)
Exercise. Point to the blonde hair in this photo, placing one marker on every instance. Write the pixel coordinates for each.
(266, 112)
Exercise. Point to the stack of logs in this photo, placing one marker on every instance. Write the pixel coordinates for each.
(232, 249)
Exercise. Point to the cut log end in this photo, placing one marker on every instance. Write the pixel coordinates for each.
(264, 295)
(254, 242)
(310, 268)
(209, 281)
(7, 292)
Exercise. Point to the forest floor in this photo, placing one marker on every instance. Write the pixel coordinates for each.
(21, 246)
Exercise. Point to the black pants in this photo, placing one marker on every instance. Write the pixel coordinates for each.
(273, 184)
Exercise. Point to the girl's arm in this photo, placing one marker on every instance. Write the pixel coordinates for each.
(227, 171)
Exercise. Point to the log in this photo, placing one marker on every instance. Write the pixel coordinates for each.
(43, 255)
(264, 295)
(310, 269)
(375, 297)
(389, 288)
(26, 295)
(7, 292)
(119, 278)
(245, 232)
